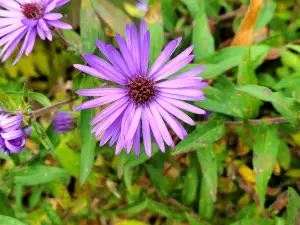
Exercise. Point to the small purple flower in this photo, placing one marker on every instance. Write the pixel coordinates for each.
(12, 134)
(25, 19)
(143, 101)
(63, 122)
(142, 5)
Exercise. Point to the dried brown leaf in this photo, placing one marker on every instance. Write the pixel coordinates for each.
(246, 31)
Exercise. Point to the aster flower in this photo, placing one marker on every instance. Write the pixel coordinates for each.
(142, 5)
(143, 103)
(12, 134)
(63, 122)
(25, 19)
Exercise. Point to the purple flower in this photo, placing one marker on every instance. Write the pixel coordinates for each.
(63, 122)
(25, 19)
(142, 5)
(12, 135)
(142, 102)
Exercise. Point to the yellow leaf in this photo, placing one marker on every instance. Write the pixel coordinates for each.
(133, 11)
(153, 16)
(276, 169)
(294, 173)
(247, 173)
(246, 31)
(130, 222)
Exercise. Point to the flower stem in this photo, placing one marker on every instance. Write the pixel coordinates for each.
(62, 38)
(37, 113)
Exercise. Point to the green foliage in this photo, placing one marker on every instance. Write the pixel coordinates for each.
(265, 152)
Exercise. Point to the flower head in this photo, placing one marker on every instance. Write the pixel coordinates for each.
(23, 20)
(63, 122)
(12, 134)
(143, 101)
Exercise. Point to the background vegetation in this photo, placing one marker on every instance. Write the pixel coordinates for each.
(239, 166)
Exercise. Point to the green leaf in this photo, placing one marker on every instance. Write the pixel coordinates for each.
(279, 221)
(266, 14)
(293, 215)
(203, 41)
(88, 144)
(289, 81)
(132, 208)
(253, 222)
(168, 211)
(45, 140)
(209, 181)
(194, 221)
(282, 104)
(51, 214)
(232, 56)
(284, 155)
(5, 220)
(33, 95)
(36, 196)
(163, 184)
(111, 15)
(290, 59)
(128, 178)
(193, 6)
(224, 98)
(90, 27)
(34, 175)
(73, 38)
(246, 75)
(204, 134)
(296, 48)
(5, 207)
(25, 92)
(156, 41)
(191, 182)
(265, 151)
(169, 15)
(68, 159)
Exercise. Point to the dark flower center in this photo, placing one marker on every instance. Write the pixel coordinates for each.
(32, 11)
(141, 90)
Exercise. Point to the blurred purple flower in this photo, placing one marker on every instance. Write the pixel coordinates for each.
(12, 134)
(144, 102)
(25, 19)
(142, 5)
(63, 122)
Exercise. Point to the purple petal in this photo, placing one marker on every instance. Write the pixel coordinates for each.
(126, 54)
(161, 125)
(191, 73)
(59, 24)
(31, 41)
(184, 106)
(99, 101)
(175, 111)
(53, 16)
(173, 123)
(137, 140)
(29, 22)
(90, 71)
(154, 129)
(134, 123)
(100, 91)
(146, 134)
(164, 56)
